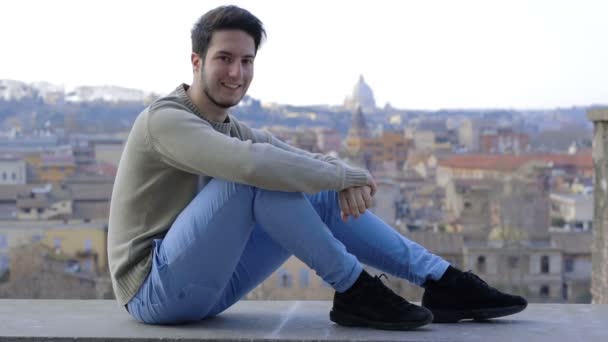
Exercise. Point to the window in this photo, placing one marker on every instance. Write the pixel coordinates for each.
(3, 241)
(544, 264)
(468, 205)
(304, 277)
(544, 291)
(13, 176)
(569, 264)
(481, 264)
(284, 279)
(513, 261)
(3, 176)
(88, 245)
(565, 291)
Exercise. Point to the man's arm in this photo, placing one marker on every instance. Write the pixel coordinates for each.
(268, 137)
(353, 201)
(189, 143)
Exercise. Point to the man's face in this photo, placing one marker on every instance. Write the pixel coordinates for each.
(227, 69)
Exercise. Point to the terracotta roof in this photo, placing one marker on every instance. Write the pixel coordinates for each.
(484, 161)
(582, 159)
(506, 162)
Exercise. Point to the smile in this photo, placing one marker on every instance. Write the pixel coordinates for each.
(231, 85)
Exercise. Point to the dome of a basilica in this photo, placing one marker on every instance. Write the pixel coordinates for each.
(362, 96)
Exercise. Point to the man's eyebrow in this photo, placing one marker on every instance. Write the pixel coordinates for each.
(224, 52)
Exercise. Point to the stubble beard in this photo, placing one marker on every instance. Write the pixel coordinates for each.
(223, 105)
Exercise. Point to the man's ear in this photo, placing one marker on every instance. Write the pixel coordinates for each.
(197, 62)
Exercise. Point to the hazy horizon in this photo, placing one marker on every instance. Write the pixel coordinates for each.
(416, 55)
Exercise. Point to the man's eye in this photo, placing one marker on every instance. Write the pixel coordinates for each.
(224, 58)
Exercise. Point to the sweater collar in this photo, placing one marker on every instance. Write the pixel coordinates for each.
(219, 126)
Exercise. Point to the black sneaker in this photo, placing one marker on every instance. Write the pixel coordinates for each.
(369, 303)
(468, 297)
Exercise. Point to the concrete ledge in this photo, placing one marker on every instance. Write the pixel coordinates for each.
(99, 320)
(598, 114)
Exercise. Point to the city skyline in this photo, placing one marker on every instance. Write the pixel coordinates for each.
(431, 55)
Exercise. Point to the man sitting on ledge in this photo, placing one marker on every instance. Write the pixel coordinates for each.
(205, 208)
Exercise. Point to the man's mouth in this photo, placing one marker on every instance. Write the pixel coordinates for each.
(232, 86)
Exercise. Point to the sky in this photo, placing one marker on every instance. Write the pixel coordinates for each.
(429, 54)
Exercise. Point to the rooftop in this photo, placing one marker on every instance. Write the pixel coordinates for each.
(509, 163)
(104, 320)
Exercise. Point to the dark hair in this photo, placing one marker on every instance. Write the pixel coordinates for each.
(225, 18)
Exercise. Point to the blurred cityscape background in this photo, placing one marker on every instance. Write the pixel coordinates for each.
(506, 193)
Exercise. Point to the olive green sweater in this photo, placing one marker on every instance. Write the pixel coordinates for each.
(170, 146)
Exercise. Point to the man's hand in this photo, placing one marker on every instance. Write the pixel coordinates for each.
(372, 184)
(356, 200)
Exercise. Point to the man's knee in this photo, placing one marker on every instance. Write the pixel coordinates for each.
(223, 190)
(273, 195)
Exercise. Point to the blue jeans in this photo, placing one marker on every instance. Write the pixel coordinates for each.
(232, 236)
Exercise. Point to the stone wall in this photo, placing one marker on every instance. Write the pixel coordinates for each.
(599, 275)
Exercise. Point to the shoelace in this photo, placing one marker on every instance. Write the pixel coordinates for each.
(391, 297)
(470, 275)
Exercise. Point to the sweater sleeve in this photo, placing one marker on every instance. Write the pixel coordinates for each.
(262, 135)
(189, 143)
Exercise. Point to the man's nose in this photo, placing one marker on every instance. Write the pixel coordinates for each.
(235, 70)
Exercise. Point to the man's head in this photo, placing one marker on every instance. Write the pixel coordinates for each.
(225, 42)
(225, 18)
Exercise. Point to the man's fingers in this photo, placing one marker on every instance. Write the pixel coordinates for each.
(356, 201)
(367, 198)
(344, 209)
(343, 216)
(360, 200)
(372, 184)
(352, 202)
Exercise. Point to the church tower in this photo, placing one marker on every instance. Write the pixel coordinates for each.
(358, 134)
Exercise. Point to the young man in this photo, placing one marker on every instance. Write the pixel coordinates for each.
(205, 208)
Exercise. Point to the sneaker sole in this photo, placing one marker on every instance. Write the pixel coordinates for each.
(349, 320)
(453, 316)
